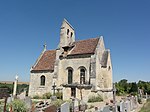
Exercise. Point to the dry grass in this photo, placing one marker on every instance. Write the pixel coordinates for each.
(146, 107)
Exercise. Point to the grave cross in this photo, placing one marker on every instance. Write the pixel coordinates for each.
(54, 88)
(114, 97)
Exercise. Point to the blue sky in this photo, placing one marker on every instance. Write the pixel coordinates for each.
(25, 25)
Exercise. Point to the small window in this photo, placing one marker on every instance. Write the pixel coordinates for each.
(71, 34)
(109, 68)
(70, 72)
(82, 76)
(67, 31)
(42, 80)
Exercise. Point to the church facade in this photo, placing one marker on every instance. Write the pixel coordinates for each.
(76, 68)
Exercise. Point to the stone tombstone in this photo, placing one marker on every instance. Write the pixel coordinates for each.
(131, 104)
(127, 106)
(121, 106)
(65, 107)
(76, 105)
(9, 99)
(53, 98)
(51, 108)
(28, 102)
(22, 95)
(106, 109)
(146, 96)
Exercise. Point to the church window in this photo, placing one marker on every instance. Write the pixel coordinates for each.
(70, 73)
(82, 76)
(42, 80)
(71, 34)
(67, 31)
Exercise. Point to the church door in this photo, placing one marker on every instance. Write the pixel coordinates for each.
(73, 92)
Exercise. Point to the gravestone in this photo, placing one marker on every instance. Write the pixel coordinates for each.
(82, 106)
(127, 106)
(131, 104)
(53, 98)
(51, 108)
(65, 107)
(28, 102)
(22, 95)
(76, 105)
(106, 109)
(146, 96)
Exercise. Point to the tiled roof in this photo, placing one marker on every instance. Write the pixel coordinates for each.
(85, 46)
(46, 62)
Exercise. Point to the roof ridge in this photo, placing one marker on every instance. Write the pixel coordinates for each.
(88, 39)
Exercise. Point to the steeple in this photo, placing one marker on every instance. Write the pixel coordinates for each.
(67, 34)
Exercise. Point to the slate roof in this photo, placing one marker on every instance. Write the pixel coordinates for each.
(46, 62)
(85, 46)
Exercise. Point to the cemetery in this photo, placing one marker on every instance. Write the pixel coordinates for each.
(54, 103)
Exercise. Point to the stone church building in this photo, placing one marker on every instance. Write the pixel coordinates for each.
(76, 68)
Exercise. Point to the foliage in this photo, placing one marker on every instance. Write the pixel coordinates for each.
(90, 106)
(47, 95)
(145, 86)
(97, 98)
(58, 102)
(59, 95)
(123, 87)
(36, 97)
(20, 87)
(18, 106)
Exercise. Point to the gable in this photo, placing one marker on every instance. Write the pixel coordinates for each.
(46, 62)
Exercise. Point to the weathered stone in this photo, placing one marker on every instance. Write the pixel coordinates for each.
(95, 61)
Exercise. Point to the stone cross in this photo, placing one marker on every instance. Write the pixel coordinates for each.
(54, 88)
(15, 85)
(114, 97)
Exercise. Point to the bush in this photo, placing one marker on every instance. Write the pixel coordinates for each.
(36, 97)
(59, 95)
(47, 95)
(97, 98)
(58, 103)
(18, 106)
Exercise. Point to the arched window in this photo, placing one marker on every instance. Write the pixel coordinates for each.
(67, 31)
(70, 78)
(82, 76)
(71, 34)
(42, 80)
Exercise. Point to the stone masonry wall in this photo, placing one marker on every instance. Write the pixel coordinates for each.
(35, 88)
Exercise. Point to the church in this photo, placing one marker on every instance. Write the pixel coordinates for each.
(78, 69)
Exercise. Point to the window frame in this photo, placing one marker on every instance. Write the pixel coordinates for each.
(42, 80)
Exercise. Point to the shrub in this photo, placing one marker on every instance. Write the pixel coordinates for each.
(58, 102)
(97, 98)
(59, 95)
(18, 106)
(47, 95)
(36, 97)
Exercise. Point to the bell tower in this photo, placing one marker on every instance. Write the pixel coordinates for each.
(67, 34)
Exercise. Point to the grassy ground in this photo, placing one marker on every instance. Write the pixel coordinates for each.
(146, 107)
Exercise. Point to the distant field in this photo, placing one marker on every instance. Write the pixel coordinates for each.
(146, 107)
(11, 82)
